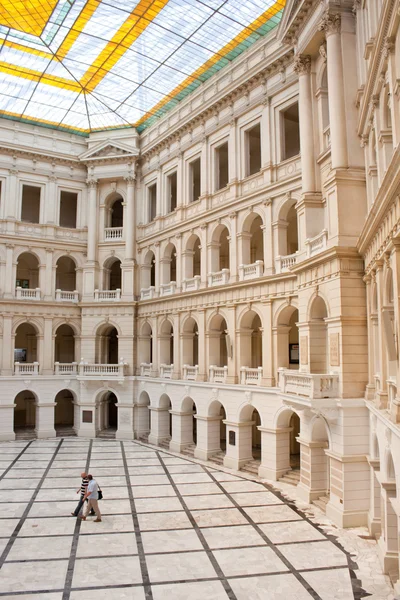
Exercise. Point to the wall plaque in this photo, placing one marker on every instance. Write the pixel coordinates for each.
(87, 416)
(304, 350)
(232, 438)
(334, 356)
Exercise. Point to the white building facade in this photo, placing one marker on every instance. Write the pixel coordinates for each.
(226, 282)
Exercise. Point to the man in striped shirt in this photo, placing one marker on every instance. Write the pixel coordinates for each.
(82, 490)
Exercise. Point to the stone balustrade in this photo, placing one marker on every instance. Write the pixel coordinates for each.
(111, 234)
(190, 372)
(285, 263)
(146, 369)
(317, 244)
(27, 294)
(147, 293)
(250, 376)
(252, 271)
(166, 371)
(167, 289)
(107, 295)
(65, 368)
(65, 296)
(26, 368)
(219, 278)
(101, 370)
(218, 374)
(192, 284)
(309, 385)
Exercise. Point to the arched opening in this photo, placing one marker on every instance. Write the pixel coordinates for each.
(294, 424)
(27, 271)
(389, 520)
(288, 455)
(64, 414)
(315, 460)
(324, 110)
(107, 345)
(217, 430)
(218, 342)
(116, 213)
(64, 344)
(166, 341)
(190, 342)
(148, 271)
(146, 345)
(252, 240)
(168, 265)
(65, 274)
(256, 436)
(287, 339)
(25, 415)
(192, 258)
(220, 249)
(143, 417)
(112, 274)
(163, 434)
(292, 241)
(107, 419)
(287, 234)
(26, 344)
(318, 336)
(189, 407)
(251, 340)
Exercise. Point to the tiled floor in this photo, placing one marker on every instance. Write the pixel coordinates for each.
(171, 529)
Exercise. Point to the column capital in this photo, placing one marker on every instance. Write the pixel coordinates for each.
(302, 64)
(130, 179)
(92, 183)
(330, 23)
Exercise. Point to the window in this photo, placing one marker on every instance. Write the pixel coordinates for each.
(195, 181)
(30, 211)
(291, 132)
(253, 150)
(222, 168)
(172, 181)
(68, 205)
(152, 199)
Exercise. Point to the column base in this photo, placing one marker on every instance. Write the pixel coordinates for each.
(374, 526)
(236, 463)
(346, 518)
(45, 433)
(124, 435)
(157, 439)
(177, 446)
(204, 454)
(389, 560)
(272, 474)
(7, 437)
(304, 493)
(86, 433)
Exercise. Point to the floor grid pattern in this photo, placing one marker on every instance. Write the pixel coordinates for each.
(172, 529)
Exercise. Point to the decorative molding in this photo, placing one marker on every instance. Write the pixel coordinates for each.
(302, 64)
(331, 23)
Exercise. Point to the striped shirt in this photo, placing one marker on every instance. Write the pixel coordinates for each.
(84, 484)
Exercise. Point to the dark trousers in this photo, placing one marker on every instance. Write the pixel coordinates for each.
(79, 507)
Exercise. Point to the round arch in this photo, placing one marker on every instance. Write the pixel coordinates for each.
(25, 414)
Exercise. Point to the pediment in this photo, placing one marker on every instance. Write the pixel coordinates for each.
(109, 150)
(291, 7)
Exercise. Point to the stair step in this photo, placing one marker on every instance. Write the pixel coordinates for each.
(321, 502)
(291, 477)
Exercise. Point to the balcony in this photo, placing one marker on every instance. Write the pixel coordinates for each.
(112, 234)
(392, 392)
(166, 371)
(285, 263)
(317, 244)
(190, 372)
(104, 371)
(62, 296)
(65, 368)
(107, 295)
(146, 369)
(147, 293)
(27, 294)
(26, 368)
(327, 137)
(192, 284)
(308, 385)
(252, 271)
(167, 289)
(218, 278)
(250, 376)
(218, 374)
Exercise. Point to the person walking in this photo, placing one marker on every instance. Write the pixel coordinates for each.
(92, 495)
(82, 490)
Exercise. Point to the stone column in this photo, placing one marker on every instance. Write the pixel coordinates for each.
(157, 267)
(45, 420)
(7, 422)
(394, 264)
(8, 346)
(204, 170)
(232, 154)
(48, 285)
(238, 444)
(13, 203)
(179, 277)
(51, 210)
(127, 416)
(90, 270)
(203, 256)
(374, 515)
(302, 67)
(275, 452)
(203, 366)
(268, 358)
(314, 470)
(370, 388)
(9, 282)
(47, 348)
(130, 221)
(331, 24)
(182, 430)
(176, 342)
(159, 425)
(269, 262)
(233, 269)
(208, 436)
(381, 395)
(266, 134)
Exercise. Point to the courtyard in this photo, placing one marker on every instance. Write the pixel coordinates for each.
(172, 528)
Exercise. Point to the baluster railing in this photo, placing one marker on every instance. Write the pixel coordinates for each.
(113, 233)
(26, 368)
(192, 284)
(166, 371)
(218, 374)
(147, 293)
(167, 289)
(66, 296)
(107, 295)
(250, 376)
(27, 294)
(251, 271)
(65, 368)
(218, 278)
(190, 372)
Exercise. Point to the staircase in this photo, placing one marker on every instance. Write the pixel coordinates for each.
(164, 444)
(107, 434)
(25, 433)
(291, 477)
(189, 450)
(64, 432)
(251, 467)
(144, 437)
(321, 502)
(217, 458)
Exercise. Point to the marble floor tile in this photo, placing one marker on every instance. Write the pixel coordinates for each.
(218, 516)
(33, 576)
(177, 567)
(144, 455)
(142, 462)
(312, 555)
(16, 496)
(24, 474)
(268, 514)
(221, 476)
(41, 548)
(108, 524)
(242, 486)
(96, 463)
(232, 537)
(12, 509)
(191, 478)
(184, 469)
(7, 527)
(19, 484)
(172, 520)
(299, 531)
(199, 590)
(255, 498)
(210, 501)
(170, 541)
(50, 596)
(146, 505)
(28, 465)
(174, 460)
(271, 587)
(47, 526)
(195, 489)
(248, 561)
(105, 544)
(133, 593)
(60, 483)
(145, 470)
(152, 491)
(331, 585)
(149, 479)
(90, 572)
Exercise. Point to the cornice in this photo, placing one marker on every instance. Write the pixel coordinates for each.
(299, 20)
(47, 156)
(241, 88)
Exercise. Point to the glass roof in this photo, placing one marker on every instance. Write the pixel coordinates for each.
(89, 65)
